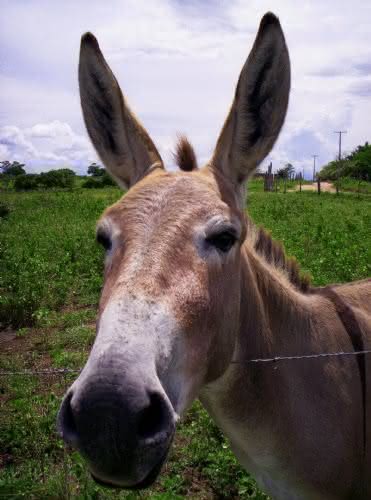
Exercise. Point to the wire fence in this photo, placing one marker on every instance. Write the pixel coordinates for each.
(66, 460)
(275, 359)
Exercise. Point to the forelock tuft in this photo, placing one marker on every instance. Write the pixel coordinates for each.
(185, 156)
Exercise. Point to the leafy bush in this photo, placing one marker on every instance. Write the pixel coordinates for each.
(4, 209)
(92, 183)
(99, 181)
(61, 178)
(354, 185)
(26, 182)
(357, 165)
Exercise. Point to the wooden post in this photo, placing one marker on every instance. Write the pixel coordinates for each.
(284, 186)
(318, 185)
(268, 179)
(300, 182)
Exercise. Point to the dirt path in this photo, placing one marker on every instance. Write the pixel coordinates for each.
(326, 187)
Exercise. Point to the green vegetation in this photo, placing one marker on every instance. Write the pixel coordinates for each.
(13, 177)
(48, 257)
(356, 165)
(51, 274)
(354, 185)
(63, 178)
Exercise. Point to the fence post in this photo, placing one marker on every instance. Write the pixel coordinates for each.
(300, 183)
(318, 185)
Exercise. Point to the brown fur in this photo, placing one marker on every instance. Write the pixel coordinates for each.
(185, 156)
(296, 426)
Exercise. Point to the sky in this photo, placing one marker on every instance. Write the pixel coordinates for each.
(178, 62)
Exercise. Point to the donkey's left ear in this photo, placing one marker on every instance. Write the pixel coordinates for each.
(120, 140)
(259, 107)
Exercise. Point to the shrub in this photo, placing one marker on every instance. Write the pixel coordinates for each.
(25, 182)
(100, 181)
(92, 183)
(4, 209)
(61, 178)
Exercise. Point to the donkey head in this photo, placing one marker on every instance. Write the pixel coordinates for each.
(169, 309)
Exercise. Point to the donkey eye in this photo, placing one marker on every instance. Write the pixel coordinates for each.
(222, 241)
(104, 240)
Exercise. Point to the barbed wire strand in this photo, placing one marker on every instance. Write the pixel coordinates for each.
(275, 359)
(46, 371)
(303, 356)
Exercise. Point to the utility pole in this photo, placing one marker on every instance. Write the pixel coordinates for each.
(340, 132)
(314, 167)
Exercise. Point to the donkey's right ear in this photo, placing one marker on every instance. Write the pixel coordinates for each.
(122, 143)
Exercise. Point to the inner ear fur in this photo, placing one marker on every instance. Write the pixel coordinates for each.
(122, 143)
(259, 107)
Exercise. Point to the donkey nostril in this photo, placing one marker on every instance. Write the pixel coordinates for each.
(66, 421)
(153, 419)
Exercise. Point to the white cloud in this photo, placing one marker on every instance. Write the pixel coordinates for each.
(178, 62)
(46, 145)
(50, 130)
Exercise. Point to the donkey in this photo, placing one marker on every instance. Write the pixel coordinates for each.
(192, 292)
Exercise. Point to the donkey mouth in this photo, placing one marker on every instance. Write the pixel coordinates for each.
(146, 482)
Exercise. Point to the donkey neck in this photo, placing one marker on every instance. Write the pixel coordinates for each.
(274, 315)
(247, 400)
(275, 320)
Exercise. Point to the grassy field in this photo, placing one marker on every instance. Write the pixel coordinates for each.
(349, 184)
(50, 277)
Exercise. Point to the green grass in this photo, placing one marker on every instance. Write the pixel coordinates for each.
(47, 252)
(51, 274)
(330, 235)
(354, 185)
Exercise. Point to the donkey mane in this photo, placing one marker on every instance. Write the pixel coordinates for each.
(274, 254)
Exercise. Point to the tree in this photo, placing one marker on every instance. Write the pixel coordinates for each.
(62, 178)
(12, 168)
(356, 164)
(95, 170)
(290, 170)
(286, 172)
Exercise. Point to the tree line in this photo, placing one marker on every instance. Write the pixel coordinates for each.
(356, 164)
(13, 176)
